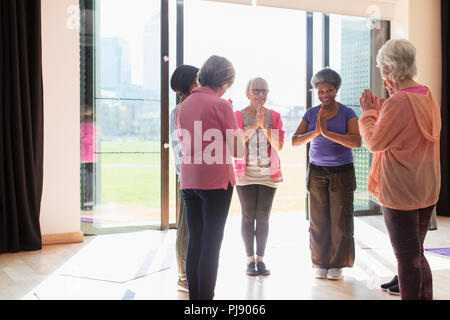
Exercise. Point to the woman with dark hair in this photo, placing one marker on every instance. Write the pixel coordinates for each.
(333, 131)
(183, 81)
(209, 136)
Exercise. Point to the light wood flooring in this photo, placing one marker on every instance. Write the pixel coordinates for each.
(142, 265)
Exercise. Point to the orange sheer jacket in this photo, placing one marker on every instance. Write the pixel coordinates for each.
(404, 137)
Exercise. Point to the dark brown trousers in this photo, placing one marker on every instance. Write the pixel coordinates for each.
(407, 231)
(331, 215)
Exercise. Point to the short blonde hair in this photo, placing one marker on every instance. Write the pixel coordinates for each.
(216, 72)
(397, 59)
(256, 81)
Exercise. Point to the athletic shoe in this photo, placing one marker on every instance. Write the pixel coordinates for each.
(395, 290)
(387, 285)
(334, 274)
(251, 269)
(182, 285)
(262, 270)
(321, 273)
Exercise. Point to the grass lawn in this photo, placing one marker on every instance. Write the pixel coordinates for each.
(131, 170)
(131, 173)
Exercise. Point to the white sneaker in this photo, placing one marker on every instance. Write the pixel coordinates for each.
(321, 273)
(334, 274)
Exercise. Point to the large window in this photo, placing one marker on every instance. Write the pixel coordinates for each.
(121, 120)
(257, 43)
(129, 49)
(353, 42)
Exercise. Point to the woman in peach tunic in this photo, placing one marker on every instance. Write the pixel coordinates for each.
(403, 132)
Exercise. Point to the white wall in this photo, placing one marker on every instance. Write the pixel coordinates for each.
(60, 209)
(425, 34)
(377, 9)
(420, 22)
(400, 20)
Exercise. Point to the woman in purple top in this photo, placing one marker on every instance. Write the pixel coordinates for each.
(333, 131)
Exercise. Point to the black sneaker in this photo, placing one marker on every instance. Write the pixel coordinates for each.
(251, 269)
(262, 270)
(395, 290)
(386, 286)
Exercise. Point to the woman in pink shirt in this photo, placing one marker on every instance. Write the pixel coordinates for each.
(88, 156)
(403, 132)
(210, 136)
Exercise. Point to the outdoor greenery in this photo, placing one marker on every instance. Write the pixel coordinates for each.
(130, 173)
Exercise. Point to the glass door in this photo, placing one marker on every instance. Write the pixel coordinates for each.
(353, 46)
(349, 46)
(124, 135)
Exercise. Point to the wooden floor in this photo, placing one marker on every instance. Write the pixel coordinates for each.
(142, 265)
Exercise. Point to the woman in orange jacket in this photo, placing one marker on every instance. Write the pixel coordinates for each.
(403, 132)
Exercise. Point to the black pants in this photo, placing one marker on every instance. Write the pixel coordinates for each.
(256, 203)
(407, 231)
(206, 215)
(88, 171)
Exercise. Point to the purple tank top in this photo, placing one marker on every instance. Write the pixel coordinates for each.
(323, 151)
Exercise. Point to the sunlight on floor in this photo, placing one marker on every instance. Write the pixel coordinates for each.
(142, 265)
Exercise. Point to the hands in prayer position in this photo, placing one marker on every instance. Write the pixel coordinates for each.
(368, 101)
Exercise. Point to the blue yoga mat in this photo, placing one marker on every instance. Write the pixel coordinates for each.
(443, 251)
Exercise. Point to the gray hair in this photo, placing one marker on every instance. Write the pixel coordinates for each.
(327, 75)
(258, 80)
(397, 59)
(216, 72)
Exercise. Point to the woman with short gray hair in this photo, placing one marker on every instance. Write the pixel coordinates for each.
(217, 72)
(207, 186)
(397, 60)
(333, 131)
(403, 133)
(329, 76)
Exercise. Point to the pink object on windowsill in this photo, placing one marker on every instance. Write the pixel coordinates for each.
(87, 142)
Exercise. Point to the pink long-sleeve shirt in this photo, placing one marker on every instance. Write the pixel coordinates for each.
(87, 143)
(202, 123)
(404, 137)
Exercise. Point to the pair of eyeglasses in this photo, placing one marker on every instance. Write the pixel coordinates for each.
(258, 91)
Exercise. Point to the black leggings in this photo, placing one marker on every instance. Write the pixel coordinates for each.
(206, 215)
(256, 203)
